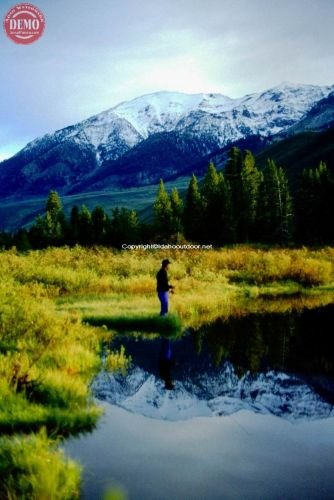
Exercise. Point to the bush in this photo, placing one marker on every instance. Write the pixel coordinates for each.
(31, 468)
(46, 360)
(311, 272)
(117, 361)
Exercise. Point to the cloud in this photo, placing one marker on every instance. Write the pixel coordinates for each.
(96, 54)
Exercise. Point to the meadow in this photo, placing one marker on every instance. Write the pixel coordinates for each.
(18, 213)
(58, 306)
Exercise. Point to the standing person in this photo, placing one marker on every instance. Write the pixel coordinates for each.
(163, 286)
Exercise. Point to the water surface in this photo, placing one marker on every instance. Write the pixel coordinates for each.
(235, 409)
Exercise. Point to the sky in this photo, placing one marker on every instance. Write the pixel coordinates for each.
(97, 53)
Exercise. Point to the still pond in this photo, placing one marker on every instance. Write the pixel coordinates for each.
(237, 409)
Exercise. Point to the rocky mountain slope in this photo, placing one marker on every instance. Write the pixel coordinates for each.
(157, 135)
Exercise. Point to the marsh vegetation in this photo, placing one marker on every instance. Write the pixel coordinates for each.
(59, 305)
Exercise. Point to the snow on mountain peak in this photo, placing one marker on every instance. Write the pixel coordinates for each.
(157, 112)
(161, 111)
(213, 118)
(165, 111)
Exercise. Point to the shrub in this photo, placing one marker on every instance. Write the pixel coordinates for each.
(31, 468)
(116, 361)
(311, 272)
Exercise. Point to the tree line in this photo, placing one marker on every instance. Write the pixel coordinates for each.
(243, 204)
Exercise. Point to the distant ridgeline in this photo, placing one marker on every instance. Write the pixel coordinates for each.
(243, 204)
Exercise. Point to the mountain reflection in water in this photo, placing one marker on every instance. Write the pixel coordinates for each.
(267, 363)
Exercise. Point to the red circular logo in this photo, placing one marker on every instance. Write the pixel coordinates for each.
(24, 23)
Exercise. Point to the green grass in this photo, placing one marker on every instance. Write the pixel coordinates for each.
(167, 325)
(15, 214)
(47, 359)
(31, 468)
(20, 416)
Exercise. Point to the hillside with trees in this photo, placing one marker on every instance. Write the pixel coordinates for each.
(242, 204)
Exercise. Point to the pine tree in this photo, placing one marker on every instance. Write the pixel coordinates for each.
(217, 208)
(55, 208)
(324, 204)
(49, 229)
(232, 174)
(74, 226)
(85, 226)
(305, 208)
(99, 223)
(193, 212)
(233, 166)
(163, 214)
(177, 211)
(53, 205)
(226, 232)
(21, 240)
(315, 206)
(6, 240)
(123, 227)
(275, 210)
(210, 201)
(251, 179)
(36, 233)
(210, 185)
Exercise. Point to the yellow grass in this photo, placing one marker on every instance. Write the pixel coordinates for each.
(207, 283)
(45, 347)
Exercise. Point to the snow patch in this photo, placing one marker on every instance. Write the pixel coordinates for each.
(210, 394)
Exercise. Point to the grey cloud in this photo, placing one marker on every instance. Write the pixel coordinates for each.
(94, 53)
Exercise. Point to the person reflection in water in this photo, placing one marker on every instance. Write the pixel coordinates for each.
(166, 362)
(163, 287)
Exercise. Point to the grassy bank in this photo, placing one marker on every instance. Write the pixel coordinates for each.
(47, 359)
(31, 467)
(168, 325)
(54, 302)
(105, 283)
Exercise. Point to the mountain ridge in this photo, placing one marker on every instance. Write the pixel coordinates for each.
(99, 151)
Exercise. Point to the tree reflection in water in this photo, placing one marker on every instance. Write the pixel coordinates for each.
(297, 342)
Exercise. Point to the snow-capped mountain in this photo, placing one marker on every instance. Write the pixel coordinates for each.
(96, 153)
(320, 117)
(227, 119)
(208, 394)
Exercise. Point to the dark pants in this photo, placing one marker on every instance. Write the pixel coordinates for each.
(163, 297)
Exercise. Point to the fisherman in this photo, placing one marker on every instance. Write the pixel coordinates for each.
(163, 286)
